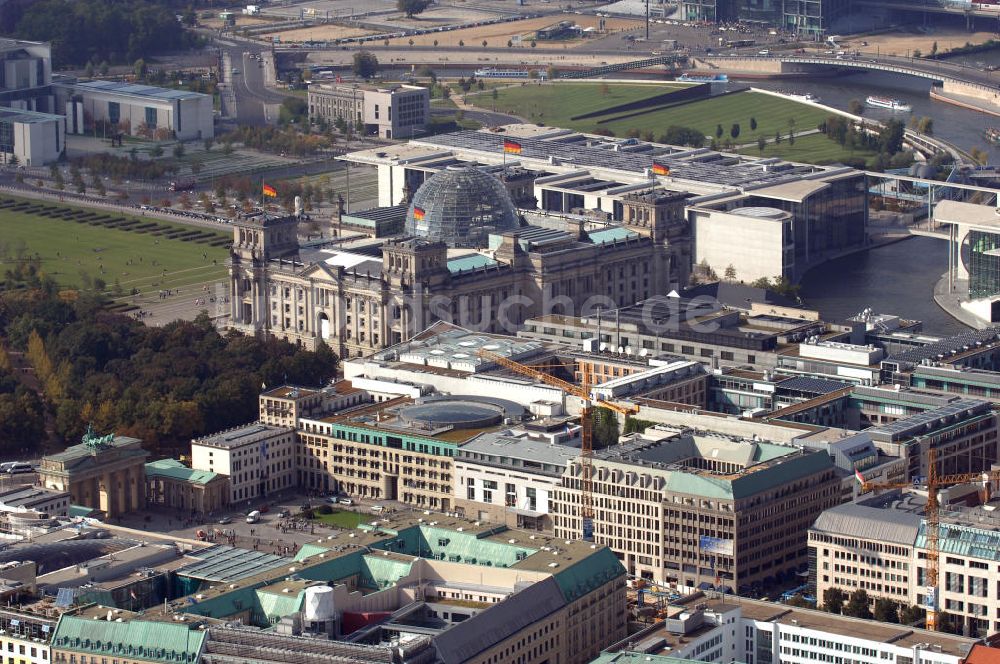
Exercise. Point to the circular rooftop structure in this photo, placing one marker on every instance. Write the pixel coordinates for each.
(461, 206)
(459, 413)
(760, 212)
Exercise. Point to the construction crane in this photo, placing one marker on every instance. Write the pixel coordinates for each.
(933, 518)
(583, 393)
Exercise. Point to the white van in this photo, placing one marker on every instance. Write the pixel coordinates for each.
(253, 517)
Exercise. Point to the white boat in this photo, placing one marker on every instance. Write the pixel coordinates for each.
(888, 103)
(801, 96)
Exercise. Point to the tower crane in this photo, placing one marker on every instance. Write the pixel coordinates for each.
(933, 518)
(583, 393)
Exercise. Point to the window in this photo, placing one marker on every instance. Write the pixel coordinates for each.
(114, 112)
(151, 117)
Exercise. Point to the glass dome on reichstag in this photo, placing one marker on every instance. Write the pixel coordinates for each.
(461, 206)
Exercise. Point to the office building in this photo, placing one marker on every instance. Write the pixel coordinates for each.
(807, 18)
(880, 545)
(714, 628)
(416, 590)
(907, 424)
(26, 76)
(400, 111)
(258, 459)
(136, 110)
(28, 498)
(30, 138)
(973, 266)
(698, 510)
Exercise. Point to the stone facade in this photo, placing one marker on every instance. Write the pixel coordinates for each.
(105, 473)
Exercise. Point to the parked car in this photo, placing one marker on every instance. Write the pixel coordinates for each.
(253, 517)
(226, 520)
(284, 514)
(18, 468)
(346, 501)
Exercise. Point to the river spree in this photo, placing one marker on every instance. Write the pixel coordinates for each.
(897, 279)
(960, 126)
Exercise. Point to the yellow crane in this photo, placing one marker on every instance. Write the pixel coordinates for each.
(582, 392)
(933, 518)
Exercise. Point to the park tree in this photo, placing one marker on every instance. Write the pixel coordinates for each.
(412, 7)
(719, 131)
(912, 615)
(365, 64)
(605, 432)
(88, 71)
(551, 73)
(156, 151)
(179, 150)
(886, 610)
(777, 136)
(791, 138)
(678, 135)
(461, 42)
(730, 273)
(855, 107)
(858, 604)
(761, 144)
(979, 156)
(926, 125)
(934, 49)
(485, 43)
(917, 53)
(753, 124)
(890, 137)
(734, 131)
(140, 69)
(104, 68)
(196, 166)
(833, 598)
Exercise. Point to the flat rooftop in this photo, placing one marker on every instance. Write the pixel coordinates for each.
(244, 435)
(133, 90)
(898, 635)
(631, 156)
(27, 117)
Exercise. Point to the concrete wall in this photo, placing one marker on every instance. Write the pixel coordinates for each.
(39, 143)
(753, 246)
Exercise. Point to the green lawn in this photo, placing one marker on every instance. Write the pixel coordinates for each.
(69, 249)
(812, 149)
(341, 519)
(555, 104)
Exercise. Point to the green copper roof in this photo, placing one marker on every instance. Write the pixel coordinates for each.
(171, 643)
(174, 469)
(588, 574)
(455, 546)
(615, 234)
(309, 550)
(278, 605)
(750, 483)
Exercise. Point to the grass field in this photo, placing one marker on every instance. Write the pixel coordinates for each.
(555, 104)
(144, 260)
(346, 520)
(812, 149)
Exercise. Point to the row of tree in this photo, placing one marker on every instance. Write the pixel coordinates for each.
(164, 385)
(859, 605)
(116, 31)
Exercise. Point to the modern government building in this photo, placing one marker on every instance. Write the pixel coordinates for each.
(466, 230)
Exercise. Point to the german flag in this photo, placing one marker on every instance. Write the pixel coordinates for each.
(660, 169)
(270, 191)
(511, 147)
(418, 213)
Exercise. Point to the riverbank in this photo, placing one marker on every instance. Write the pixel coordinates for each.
(951, 304)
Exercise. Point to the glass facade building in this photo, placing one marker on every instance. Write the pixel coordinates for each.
(982, 259)
(461, 206)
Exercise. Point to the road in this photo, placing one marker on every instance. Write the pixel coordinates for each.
(254, 102)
